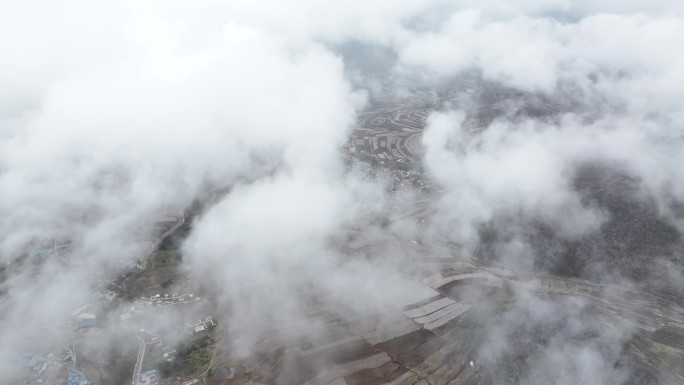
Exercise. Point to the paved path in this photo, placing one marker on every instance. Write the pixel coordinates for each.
(142, 346)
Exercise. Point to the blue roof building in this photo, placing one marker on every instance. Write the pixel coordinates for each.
(149, 377)
(76, 378)
(87, 324)
(72, 378)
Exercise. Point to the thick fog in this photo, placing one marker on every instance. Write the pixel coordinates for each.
(114, 114)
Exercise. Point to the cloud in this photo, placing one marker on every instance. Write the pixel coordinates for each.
(107, 141)
(113, 114)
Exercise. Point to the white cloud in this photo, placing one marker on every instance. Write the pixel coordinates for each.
(112, 111)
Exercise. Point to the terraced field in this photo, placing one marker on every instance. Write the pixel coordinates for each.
(435, 332)
(391, 129)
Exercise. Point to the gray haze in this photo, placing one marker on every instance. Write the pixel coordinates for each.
(112, 112)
